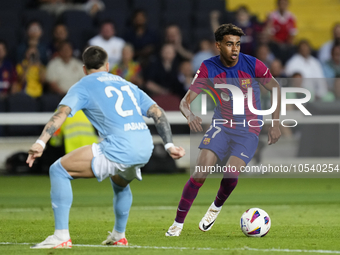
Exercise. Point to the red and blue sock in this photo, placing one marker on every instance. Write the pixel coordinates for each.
(226, 187)
(188, 196)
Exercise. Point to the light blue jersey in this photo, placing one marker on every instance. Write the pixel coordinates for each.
(116, 108)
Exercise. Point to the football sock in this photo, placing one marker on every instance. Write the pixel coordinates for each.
(122, 202)
(226, 187)
(117, 235)
(180, 225)
(61, 195)
(188, 196)
(62, 234)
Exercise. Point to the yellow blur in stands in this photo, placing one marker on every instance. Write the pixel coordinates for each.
(315, 18)
(32, 84)
(76, 132)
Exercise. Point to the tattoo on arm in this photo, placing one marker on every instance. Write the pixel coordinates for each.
(161, 123)
(56, 121)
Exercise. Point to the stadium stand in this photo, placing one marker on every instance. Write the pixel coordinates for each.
(16, 5)
(80, 27)
(193, 17)
(172, 6)
(153, 9)
(21, 102)
(119, 18)
(117, 5)
(49, 102)
(9, 18)
(46, 20)
(2, 109)
(10, 36)
(305, 11)
(183, 21)
(207, 6)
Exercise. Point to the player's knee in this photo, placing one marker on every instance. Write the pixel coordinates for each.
(56, 169)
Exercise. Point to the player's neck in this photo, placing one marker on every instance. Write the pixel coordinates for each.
(95, 71)
(228, 63)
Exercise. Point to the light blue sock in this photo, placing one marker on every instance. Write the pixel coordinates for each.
(122, 202)
(61, 194)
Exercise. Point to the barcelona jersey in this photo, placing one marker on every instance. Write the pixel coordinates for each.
(248, 72)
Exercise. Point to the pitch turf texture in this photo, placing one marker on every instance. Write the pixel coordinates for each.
(304, 213)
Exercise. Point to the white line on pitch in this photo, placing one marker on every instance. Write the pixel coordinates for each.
(133, 208)
(192, 248)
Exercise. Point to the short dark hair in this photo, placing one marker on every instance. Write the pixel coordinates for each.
(227, 29)
(63, 43)
(94, 57)
(32, 22)
(4, 43)
(278, 1)
(303, 41)
(138, 11)
(336, 45)
(242, 8)
(106, 21)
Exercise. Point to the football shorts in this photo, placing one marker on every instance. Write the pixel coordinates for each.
(103, 167)
(226, 142)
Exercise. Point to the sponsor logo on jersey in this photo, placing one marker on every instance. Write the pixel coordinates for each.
(242, 154)
(135, 126)
(225, 96)
(206, 141)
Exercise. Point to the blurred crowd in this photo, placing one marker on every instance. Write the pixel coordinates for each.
(159, 58)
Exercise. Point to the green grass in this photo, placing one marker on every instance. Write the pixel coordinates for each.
(304, 212)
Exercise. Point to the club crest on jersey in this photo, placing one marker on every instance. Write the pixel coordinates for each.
(245, 83)
(206, 141)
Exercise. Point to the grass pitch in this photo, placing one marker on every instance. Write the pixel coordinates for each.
(304, 213)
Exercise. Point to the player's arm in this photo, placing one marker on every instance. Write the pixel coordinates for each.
(274, 132)
(194, 122)
(164, 130)
(52, 125)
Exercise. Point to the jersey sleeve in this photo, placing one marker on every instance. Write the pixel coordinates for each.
(76, 98)
(200, 79)
(262, 72)
(145, 102)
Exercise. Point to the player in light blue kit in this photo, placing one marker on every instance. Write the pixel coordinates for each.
(116, 108)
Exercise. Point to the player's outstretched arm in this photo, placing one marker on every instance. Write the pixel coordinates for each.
(274, 132)
(52, 125)
(164, 130)
(194, 122)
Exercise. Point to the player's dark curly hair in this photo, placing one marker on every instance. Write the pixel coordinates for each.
(227, 29)
(94, 57)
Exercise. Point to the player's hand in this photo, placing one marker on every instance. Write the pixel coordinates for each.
(176, 152)
(34, 152)
(274, 134)
(194, 123)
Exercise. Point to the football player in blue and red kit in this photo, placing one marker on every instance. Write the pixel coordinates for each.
(236, 139)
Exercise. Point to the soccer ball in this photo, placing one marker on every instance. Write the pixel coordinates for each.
(255, 222)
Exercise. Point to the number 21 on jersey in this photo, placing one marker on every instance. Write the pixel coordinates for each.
(120, 100)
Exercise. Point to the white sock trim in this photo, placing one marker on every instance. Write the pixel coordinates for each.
(214, 207)
(62, 234)
(180, 225)
(118, 235)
